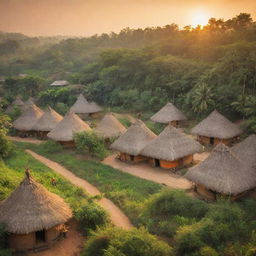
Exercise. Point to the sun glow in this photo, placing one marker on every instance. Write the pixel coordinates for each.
(199, 18)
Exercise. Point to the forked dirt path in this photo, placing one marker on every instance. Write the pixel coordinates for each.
(117, 217)
(30, 140)
(147, 172)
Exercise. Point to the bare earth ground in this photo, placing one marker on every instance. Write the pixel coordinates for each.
(70, 246)
(30, 140)
(145, 171)
(117, 217)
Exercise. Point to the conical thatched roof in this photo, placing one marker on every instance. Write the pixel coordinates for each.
(32, 208)
(217, 126)
(246, 150)
(109, 127)
(171, 145)
(65, 129)
(167, 114)
(134, 139)
(224, 172)
(47, 121)
(29, 102)
(82, 106)
(18, 102)
(28, 118)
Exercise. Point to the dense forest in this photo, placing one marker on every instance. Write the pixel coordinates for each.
(198, 69)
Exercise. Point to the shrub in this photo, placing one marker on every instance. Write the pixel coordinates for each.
(6, 146)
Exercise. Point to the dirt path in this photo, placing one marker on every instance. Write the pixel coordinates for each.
(70, 246)
(30, 140)
(118, 218)
(147, 172)
(201, 156)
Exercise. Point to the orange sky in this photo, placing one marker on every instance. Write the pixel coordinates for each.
(87, 17)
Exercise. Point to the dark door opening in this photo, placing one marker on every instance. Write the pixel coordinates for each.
(157, 163)
(132, 158)
(212, 141)
(40, 236)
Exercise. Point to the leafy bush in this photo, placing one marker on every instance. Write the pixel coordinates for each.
(90, 142)
(5, 144)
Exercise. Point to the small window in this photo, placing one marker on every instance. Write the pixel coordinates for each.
(132, 158)
(157, 163)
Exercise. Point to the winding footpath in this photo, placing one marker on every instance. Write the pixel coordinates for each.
(117, 217)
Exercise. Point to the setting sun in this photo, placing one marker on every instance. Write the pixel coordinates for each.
(199, 18)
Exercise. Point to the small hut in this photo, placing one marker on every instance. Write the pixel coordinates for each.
(216, 129)
(84, 108)
(223, 172)
(169, 114)
(18, 102)
(34, 216)
(47, 122)
(65, 129)
(171, 149)
(130, 144)
(25, 123)
(109, 127)
(60, 83)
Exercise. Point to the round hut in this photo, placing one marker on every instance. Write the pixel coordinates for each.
(24, 124)
(172, 149)
(84, 108)
(18, 102)
(216, 129)
(223, 173)
(109, 127)
(65, 129)
(47, 122)
(169, 114)
(130, 144)
(34, 216)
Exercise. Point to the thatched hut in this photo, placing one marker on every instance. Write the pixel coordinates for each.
(47, 122)
(216, 129)
(34, 216)
(130, 144)
(223, 172)
(25, 123)
(109, 127)
(18, 102)
(65, 129)
(169, 114)
(171, 149)
(60, 83)
(84, 108)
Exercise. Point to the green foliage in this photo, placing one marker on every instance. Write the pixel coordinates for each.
(5, 145)
(50, 147)
(90, 142)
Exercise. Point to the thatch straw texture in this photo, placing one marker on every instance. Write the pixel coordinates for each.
(170, 145)
(168, 114)
(109, 127)
(28, 118)
(18, 102)
(224, 172)
(217, 126)
(246, 150)
(65, 129)
(82, 106)
(137, 136)
(47, 121)
(32, 208)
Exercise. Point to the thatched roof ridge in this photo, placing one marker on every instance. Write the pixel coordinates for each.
(18, 102)
(246, 150)
(109, 127)
(82, 106)
(32, 208)
(170, 145)
(137, 136)
(217, 126)
(65, 129)
(48, 120)
(224, 172)
(28, 118)
(167, 114)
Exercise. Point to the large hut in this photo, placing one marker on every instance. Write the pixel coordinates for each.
(84, 108)
(216, 129)
(25, 123)
(34, 216)
(47, 122)
(169, 114)
(223, 172)
(109, 127)
(65, 129)
(171, 149)
(130, 144)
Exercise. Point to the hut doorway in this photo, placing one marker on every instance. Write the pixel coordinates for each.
(40, 236)
(157, 162)
(131, 158)
(212, 141)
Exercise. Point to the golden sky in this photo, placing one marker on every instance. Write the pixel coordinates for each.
(88, 17)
